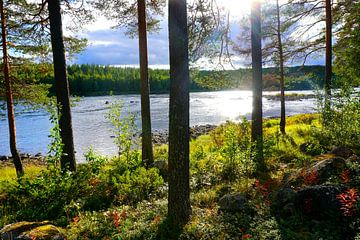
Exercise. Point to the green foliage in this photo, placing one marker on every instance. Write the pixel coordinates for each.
(347, 48)
(343, 125)
(99, 80)
(95, 161)
(45, 197)
(124, 128)
(55, 148)
(137, 185)
(140, 222)
(236, 151)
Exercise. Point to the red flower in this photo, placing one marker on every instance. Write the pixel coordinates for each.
(345, 176)
(348, 200)
(246, 236)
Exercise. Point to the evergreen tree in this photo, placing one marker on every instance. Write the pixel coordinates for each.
(138, 17)
(257, 85)
(61, 85)
(279, 45)
(9, 97)
(179, 208)
(147, 151)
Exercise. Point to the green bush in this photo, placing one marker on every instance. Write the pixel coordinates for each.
(45, 197)
(140, 184)
(341, 126)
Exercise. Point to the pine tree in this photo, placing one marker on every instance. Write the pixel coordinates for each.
(179, 208)
(138, 17)
(9, 96)
(61, 85)
(257, 85)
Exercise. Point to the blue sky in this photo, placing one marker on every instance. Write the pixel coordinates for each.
(112, 47)
(109, 46)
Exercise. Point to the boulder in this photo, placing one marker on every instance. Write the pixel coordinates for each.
(284, 196)
(353, 159)
(342, 151)
(327, 167)
(31, 230)
(235, 202)
(319, 201)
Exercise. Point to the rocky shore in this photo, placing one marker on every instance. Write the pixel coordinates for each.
(162, 136)
(290, 97)
(26, 159)
(159, 137)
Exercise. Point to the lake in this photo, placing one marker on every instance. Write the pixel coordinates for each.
(91, 128)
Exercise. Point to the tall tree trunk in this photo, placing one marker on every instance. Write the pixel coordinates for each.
(179, 208)
(147, 150)
(328, 56)
(9, 97)
(281, 71)
(61, 86)
(257, 85)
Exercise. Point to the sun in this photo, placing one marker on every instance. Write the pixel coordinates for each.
(236, 8)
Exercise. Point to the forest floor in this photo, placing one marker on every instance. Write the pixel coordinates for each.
(309, 191)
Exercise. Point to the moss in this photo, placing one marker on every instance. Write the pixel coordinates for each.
(45, 232)
(22, 226)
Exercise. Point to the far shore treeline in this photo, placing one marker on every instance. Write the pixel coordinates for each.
(94, 80)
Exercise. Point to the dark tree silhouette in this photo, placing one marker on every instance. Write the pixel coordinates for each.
(281, 70)
(257, 85)
(328, 53)
(9, 96)
(61, 85)
(147, 151)
(179, 208)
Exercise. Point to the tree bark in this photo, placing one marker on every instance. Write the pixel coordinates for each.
(61, 86)
(328, 55)
(147, 150)
(257, 85)
(179, 208)
(9, 96)
(281, 71)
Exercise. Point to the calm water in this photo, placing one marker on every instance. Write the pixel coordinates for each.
(92, 129)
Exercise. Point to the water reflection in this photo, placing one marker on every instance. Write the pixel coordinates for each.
(92, 129)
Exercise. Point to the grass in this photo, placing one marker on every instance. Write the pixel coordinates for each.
(213, 159)
(9, 174)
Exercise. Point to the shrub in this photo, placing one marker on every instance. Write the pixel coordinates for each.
(140, 184)
(45, 197)
(342, 124)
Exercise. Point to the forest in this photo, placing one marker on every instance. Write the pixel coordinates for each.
(285, 177)
(92, 80)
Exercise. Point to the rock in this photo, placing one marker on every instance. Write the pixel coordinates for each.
(235, 202)
(4, 158)
(44, 232)
(319, 201)
(25, 155)
(162, 137)
(284, 196)
(31, 230)
(162, 165)
(38, 155)
(327, 167)
(342, 151)
(353, 159)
